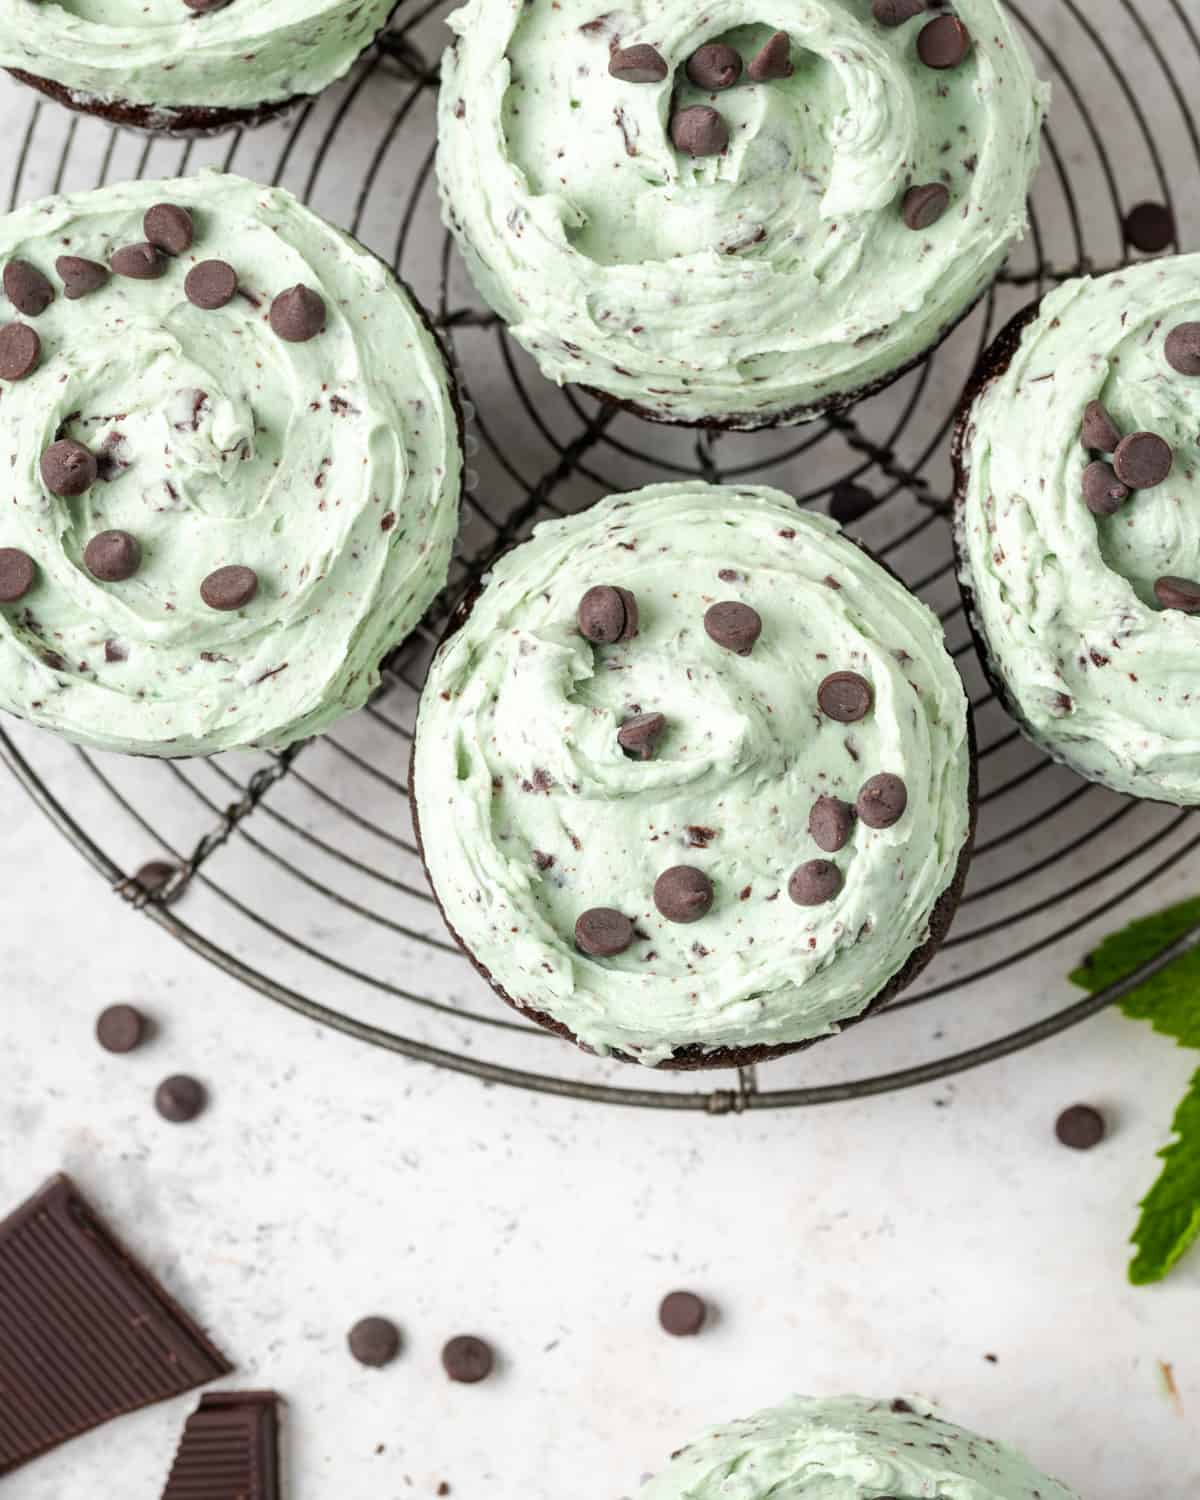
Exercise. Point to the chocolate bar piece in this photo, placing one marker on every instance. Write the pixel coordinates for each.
(86, 1334)
(229, 1449)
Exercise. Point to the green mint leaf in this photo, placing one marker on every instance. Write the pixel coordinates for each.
(1171, 1000)
(1170, 1219)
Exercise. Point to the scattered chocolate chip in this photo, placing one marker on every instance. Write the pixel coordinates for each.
(170, 227)
(18, 573)
(1142, 460)
(639, 736)
(1103, 492)
(682, 1314)
(1081, 1127)
(896, 12)
(1178, 593)
(773, 59)
(68, 468)
(180, 1098)
(699, 130)
(113, 556)
(120, 1028)
(683, 894)
(845, 697)
(734, 626)
(20, 350)
(26, 288)
(155, 876)
(925, 205)
(1150, 227)
(714, 66)
(211, 284)
(829, 823)
(640, 64)
(850, 502)
(231, 587)
(374, 1342)
(298, 314)
(943, 42)
(1183, 348)
(815, 882)
(467, 1359)
(882, 800)
(607, 614)
(143, 262)
(80, 277)
(602, 932)
(1099, 431)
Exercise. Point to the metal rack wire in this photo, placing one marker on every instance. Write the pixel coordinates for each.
(299, 870)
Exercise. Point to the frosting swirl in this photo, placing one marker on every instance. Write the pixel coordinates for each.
(555, 806)
(220, 439)
(756, 283)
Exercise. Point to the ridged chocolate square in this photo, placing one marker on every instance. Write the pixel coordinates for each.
(229, 1449)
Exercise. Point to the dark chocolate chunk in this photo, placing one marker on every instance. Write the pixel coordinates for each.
(1178, 593)
(467, 1359)
(229, 1449)
(1081, 1127)
(80, 277)
(1142, 460)
(231, 587)
(830, 822)
(882, 800)
(773, 59)
(943, 42)
(924, 205)
(1103, 492)
(639, 736)
(682, 1314)
(1183, 348)
(1150, 227)
(298, 314)
(607, 614)
(18, 573)
(815, 882)
(896, 12)
(1099, 431)
(699, 130)
(714, 66)
(845, 697)
(683, 894)
(734, 626)
(602, 932)
(26, 288)
(640, 64)
(68, 468)
(113, 556)
(155, 876)
(120, 1028)
(850, 502)
(20, 350)
(374, 1342)
(144, 262)
(170, 227)
(180, 1098)
(211, 284)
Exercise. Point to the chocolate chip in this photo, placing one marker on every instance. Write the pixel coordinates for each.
(180, 1098)
(773, 59)
(169, 227)
(896, 12)
(1081, 1127)
(1142, 460)
(18, 573)
(815, 882)
(699, 130)
(845, 697)
(683, 894)
(298, 314)
(20, 350)
(231, 587)
(943, 42)
(206, 7)
(120, 1028)
(734, 626)
(714, 66)
(882, 800)
(829, 823)
(1150, 227)
(1178, 593)
(154, 877)
(682, 1314)
(639, 736)
(68, 468)
(139, 262)
(850, 502)
(467, 1359)
(113, 556)
(640, 64)
(607, 614)
(925, 205)
(1103, 492)
(374, 1342)
(80, 277)
(1099, 432)
(1183, 348)
(211, 284)
(26, 288)
(602, 932)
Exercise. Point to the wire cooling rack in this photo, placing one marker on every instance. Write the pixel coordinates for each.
(298, 872)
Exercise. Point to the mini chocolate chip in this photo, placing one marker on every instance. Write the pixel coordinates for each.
(925, 205)
(18, 573)
(68, 468)
(943, 42)
(374, 1342)
(639, 736)
(699, 130)
(112, 556)
(298, 314)
(206, 7)
(683, 894)
(845, 697)
(80, 277)
(850, 502)
(170, 227)
(714, 66)
(1081, 1127)
(1150, 227)
(602, 932)
(180, 1098)
(155, 876)
(26, 288)
(829, 823)
(734, 626)
(143, 262)
(20, 350)
(1103, 492)
(231, 587)
(1178, 593)
(682, 1314)
(120, 1028)
(607, 614)
(211, 284)
(1183, 348)
(882, 800)
(1142, 460)
(467, 1359)
(1099, 432)
(640, 64)
(773, 59)
(815, 882)
(896, 12)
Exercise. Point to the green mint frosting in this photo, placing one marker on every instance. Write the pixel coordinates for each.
(750, 285)
(330, 467)
(531, 813)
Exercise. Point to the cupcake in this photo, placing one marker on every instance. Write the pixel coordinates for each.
(692, 778)
(189, 67)
(849, 1448)
(232, 467)
(1078, 498)
(717, 223)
